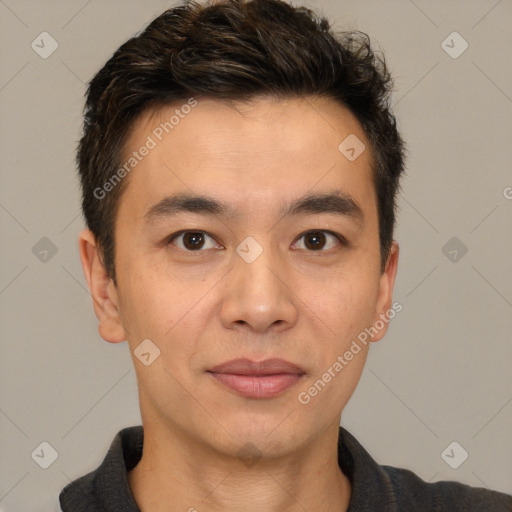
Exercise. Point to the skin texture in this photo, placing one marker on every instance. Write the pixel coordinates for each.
(202, 308)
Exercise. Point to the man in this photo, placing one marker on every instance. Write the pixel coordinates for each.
(239, 168)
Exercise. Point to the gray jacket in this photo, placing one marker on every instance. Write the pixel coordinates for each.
(374, 487)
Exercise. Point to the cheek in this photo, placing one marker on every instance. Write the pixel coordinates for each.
(342, 313)
(170, 312)
(344, 304)
(148, 305)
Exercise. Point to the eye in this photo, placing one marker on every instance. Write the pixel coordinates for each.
(317, 240)
(193, 241)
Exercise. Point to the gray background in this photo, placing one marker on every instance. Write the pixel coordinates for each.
(442, 373)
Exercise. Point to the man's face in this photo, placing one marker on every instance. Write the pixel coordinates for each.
(257, 281)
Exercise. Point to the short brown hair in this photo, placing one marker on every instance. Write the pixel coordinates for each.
(233, 50)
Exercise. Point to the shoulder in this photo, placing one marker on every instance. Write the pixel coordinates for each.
(413, 493)
(392, 489)
(107, 487)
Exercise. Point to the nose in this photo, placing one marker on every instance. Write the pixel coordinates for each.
(258, 295)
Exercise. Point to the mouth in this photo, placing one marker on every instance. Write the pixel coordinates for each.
(263, 379)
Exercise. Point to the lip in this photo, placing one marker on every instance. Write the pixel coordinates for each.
(258, 379)
(245, 366)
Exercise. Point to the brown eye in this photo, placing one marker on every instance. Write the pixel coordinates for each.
(320, 241)
(314, 240)
(193, 241)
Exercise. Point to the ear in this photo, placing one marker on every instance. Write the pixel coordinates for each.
(102, 288)
(386, 285)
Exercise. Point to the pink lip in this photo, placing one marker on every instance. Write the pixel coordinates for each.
(264, 379)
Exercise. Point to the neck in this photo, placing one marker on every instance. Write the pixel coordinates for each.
(176, 474)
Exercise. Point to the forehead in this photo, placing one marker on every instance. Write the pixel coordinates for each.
(269, 149)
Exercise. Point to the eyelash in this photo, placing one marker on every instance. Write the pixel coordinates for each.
(341, 239)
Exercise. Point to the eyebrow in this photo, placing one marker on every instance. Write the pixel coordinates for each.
(335, 202)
